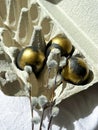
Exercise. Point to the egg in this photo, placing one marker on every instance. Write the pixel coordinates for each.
(30, 56)
(75, 71)
(62, 43)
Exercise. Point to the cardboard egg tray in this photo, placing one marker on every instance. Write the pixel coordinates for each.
(23, 22)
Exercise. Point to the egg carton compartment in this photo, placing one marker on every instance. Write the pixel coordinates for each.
(73, 29)
(27, 23)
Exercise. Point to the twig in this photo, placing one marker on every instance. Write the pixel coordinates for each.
(31, 108)
(50, 121)
(51, 117)
(40, 128)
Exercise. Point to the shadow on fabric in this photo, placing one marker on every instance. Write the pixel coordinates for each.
(77, 107)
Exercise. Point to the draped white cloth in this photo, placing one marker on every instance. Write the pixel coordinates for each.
(78, 112)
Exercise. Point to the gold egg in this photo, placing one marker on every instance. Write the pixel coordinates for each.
(76, 71)
(62, 43)
(29, 56)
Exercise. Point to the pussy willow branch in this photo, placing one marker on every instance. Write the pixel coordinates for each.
(31, 107)
(40, 128)
(51, 106)
(50, 121)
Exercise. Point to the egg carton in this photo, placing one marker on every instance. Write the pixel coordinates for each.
(21, 24)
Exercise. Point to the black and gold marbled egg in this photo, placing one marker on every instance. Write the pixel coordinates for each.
(62, 43)
(30, 56)
(76, 71)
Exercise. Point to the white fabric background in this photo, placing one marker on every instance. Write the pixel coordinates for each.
(79, 112)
